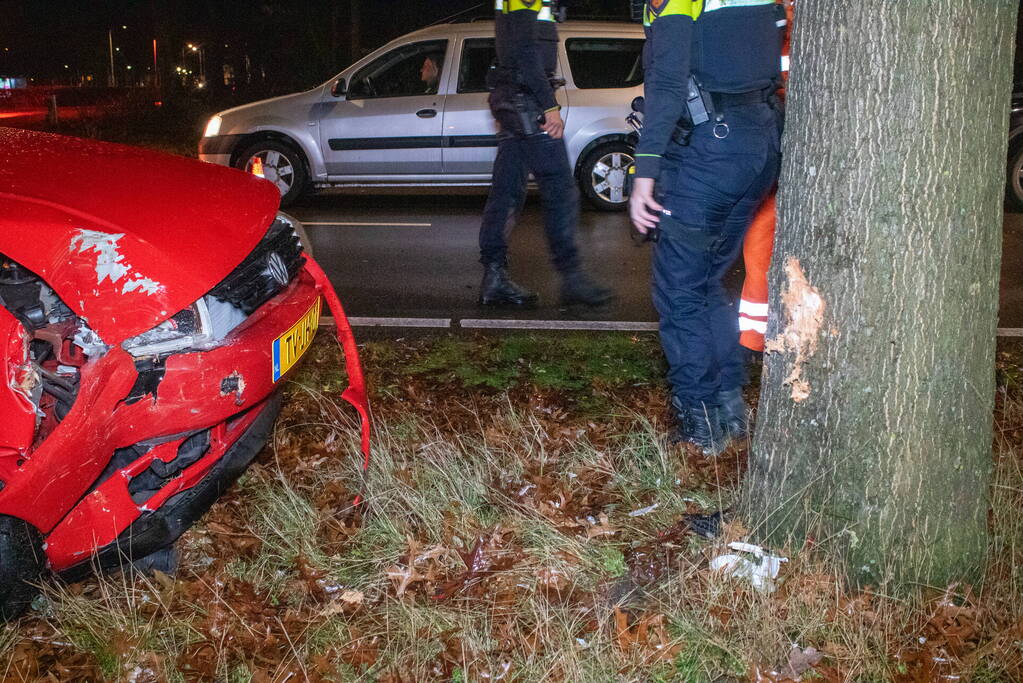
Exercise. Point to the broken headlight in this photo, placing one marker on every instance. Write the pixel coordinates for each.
(199, 327)
(186, 329)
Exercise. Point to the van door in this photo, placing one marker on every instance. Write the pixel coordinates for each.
(389, 120)
(471, 131)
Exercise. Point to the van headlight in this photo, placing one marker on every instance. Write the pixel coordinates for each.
(212, 127)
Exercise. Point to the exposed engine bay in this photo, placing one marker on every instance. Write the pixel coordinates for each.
(55, 344)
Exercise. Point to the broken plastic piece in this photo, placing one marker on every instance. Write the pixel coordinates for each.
(760, 571)
(708, 526)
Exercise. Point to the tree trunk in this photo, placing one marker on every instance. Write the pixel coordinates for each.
(875, 421)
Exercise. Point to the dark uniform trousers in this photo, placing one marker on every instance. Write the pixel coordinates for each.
(547, 159)
(710, 189)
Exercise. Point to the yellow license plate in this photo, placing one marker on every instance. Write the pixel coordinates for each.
(290, 346)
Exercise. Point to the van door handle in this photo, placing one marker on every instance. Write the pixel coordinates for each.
(426, 113)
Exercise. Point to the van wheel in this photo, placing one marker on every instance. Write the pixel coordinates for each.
(22, 563)
(1014, 175)
(602, 176)
(278, 162)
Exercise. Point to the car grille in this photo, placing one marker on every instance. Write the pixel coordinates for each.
(266, 271)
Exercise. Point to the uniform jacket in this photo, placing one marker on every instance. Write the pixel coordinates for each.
(730, 46)
(527, 51)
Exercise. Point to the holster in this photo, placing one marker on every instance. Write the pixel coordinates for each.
(513, 107)
(517, 113)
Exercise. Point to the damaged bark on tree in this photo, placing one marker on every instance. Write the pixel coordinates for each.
(875, 421)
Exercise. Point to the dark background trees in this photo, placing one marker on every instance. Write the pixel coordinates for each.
(284, 45)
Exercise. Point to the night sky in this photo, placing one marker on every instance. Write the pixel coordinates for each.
(291, 43)
(301, 42)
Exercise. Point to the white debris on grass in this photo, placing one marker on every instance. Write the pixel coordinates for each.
(643, 511)
(761, 571)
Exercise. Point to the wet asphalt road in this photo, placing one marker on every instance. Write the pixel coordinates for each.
(401, 256)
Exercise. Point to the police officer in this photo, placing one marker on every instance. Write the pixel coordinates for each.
(530, 140)
(711, 142)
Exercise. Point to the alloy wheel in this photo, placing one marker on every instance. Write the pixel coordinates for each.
(608, 176)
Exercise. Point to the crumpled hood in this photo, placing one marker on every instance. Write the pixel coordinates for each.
(126, 237)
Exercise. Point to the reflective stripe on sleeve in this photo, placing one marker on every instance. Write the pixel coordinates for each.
(751, 308)
(750, 325)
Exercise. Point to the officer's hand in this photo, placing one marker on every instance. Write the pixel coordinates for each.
(553, 125)
(643, 210)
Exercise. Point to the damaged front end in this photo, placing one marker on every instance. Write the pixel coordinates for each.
(113, 447)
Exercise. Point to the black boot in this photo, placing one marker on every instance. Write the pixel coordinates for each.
(578, 288)
(497, 289)
(700, 425)
(734, 413)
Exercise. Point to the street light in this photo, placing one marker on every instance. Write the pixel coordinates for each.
(196, 48)
(112, 78)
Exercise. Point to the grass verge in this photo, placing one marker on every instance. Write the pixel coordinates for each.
(521, 524)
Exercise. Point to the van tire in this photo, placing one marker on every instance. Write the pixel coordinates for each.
(282, 164)
(603, 174)
(1014, 175)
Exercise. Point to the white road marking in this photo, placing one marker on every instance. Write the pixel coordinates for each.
(357, 224)
(390, 322)
(595, 325)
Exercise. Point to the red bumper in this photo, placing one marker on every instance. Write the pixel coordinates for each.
(216, 389)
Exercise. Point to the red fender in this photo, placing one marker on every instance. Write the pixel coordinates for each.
(355, 394)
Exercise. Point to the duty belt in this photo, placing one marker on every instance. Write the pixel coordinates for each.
(729, 100)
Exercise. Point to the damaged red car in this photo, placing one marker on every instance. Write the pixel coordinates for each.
(150, 308)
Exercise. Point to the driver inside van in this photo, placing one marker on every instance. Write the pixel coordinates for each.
(429, 74)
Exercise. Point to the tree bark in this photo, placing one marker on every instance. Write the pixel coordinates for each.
(875, 420)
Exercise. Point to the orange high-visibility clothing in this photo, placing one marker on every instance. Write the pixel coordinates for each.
(757, 248)
(756, 253)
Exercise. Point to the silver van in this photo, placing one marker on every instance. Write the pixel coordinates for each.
(394, 119)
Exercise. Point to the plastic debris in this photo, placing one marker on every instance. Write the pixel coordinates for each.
(643, 511)
(761, 571)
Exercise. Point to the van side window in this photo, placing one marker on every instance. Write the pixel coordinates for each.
(477, 56)
(605, 62)
(408, 70)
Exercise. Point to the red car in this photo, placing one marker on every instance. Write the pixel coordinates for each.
(150, 308)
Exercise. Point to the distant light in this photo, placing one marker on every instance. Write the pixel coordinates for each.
(65, 66)
(124, 27)
(129, 66)
(117, 49)
(194, 48)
